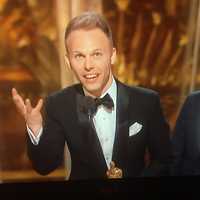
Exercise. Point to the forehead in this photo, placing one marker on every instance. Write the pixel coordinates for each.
(87, 39)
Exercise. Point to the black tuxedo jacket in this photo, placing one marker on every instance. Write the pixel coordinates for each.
(186, 138)
(64, 122)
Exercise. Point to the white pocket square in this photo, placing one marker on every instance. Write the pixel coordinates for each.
(135, 128)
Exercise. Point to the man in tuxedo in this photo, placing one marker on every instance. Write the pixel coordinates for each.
(186, 138)
(102, 120)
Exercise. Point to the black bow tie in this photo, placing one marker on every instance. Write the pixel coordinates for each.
(105, 101)
(90, 104)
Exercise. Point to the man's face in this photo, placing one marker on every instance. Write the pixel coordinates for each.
(90, 55)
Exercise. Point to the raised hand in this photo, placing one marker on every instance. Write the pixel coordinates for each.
(32, 115)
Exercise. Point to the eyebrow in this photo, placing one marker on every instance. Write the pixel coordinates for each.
(75, 52)
(97, 50)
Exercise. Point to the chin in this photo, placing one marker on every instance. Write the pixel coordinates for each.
(93, 90)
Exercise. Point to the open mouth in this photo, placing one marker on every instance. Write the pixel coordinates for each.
(91, 77)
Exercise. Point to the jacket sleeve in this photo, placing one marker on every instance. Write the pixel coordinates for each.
(159, 144)
(178, 138)
(48, 154)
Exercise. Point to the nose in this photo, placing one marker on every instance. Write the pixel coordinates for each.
(88, 63)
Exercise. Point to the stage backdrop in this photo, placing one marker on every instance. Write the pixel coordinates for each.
(158, 45)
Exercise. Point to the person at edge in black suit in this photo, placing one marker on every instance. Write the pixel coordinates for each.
(186, 138)
(100, 132)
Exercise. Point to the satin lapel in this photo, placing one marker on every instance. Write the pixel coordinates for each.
(90, 142)
(120, 148)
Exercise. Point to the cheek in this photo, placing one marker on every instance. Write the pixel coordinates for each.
(76, 68)
(104, 64)
(106, 67)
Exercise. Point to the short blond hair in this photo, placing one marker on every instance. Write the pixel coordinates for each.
(89, 20)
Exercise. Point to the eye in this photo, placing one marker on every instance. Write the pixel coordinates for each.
(78, 56)
(97, 54)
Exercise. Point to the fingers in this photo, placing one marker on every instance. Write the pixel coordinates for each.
(15, 95)
(19, 102)
(28, 106)
(14, 92)
(39, 105)
(25, 107)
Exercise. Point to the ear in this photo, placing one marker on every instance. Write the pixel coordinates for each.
(67, 61)
(113, 57)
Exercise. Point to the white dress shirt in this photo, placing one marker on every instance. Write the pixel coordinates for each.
(104, 122)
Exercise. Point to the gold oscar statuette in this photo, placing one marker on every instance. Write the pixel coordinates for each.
(114, 172)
